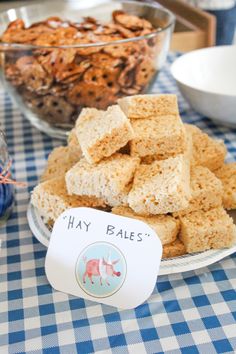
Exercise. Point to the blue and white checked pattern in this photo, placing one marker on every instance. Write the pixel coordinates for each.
(188, 313)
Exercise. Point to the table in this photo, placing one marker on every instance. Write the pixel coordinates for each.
(187, 313)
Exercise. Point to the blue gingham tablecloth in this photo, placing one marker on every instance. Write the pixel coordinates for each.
(187, 313)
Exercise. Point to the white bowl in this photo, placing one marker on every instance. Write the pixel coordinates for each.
(207, 79)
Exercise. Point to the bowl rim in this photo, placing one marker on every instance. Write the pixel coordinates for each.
(201, 90)
(150, 4)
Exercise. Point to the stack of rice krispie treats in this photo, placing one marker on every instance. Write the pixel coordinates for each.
(138, 159)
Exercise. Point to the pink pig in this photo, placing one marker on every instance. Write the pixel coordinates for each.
(99, 267)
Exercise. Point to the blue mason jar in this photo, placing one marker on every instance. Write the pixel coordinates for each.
(6, 186)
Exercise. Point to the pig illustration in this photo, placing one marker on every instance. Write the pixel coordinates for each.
(101, 268)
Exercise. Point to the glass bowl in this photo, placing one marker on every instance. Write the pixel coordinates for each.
(52, 82)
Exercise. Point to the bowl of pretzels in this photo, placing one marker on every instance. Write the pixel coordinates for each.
(58, 57)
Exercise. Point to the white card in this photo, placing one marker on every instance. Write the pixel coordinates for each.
(103, 257)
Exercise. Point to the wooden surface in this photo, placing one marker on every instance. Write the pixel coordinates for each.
(194, 28)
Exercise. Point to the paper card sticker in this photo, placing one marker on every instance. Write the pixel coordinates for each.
(103, 257)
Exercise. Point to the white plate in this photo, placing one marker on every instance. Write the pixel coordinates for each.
(168, 266)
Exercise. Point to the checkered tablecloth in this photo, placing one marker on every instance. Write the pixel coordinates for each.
(190, 313)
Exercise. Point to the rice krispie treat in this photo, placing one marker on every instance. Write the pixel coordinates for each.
(188, 151)
(203, 230)
(227, 175)
(149, 106)
(60, 160)
(109, 179)
(165, 226)
(73, 143)
(120, 198)
(102, 133)
(206, 191)
(51, 199)
(162, 187)
(161, 138)
(207, 152)
(173, 249)
(189, 146)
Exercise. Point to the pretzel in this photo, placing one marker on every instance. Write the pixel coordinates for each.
(53, 110)
(144, 72)
(33, 75)
(130, 21)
